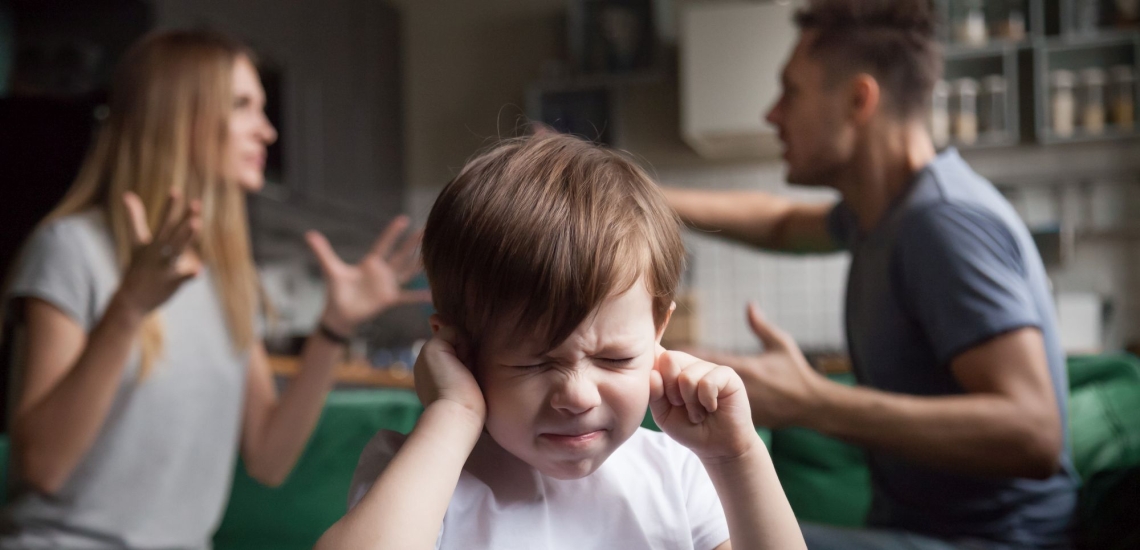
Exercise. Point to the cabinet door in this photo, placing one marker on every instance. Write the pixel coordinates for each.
(731, 55)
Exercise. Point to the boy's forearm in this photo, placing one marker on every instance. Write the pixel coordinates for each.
(404, 509)
(758, 513)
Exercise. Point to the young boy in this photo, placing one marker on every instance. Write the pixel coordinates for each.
(553, 264)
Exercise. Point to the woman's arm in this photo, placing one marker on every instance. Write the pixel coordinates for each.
(274, 431)
(70, 378)
(69, 384)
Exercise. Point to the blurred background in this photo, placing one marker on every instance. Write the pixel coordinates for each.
(379, 103)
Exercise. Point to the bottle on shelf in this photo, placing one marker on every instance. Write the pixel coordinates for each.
(1092, 101)
(1122, 97)
(966, 114)
(940, 114)
(993, 121)
(1062, 103)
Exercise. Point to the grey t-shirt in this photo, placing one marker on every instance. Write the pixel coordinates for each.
(159, 472)
(951, 266)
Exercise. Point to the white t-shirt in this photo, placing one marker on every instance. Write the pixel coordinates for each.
(651, 494)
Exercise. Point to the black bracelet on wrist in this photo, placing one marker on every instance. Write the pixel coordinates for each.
(332, 336)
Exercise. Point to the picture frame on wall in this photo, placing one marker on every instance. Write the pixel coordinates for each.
(613, 36)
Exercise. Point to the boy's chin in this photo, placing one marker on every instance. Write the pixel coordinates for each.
(570, 470)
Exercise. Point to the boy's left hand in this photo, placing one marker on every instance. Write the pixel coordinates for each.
(701, 405)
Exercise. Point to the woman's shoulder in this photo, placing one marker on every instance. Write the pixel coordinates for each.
(71, 230)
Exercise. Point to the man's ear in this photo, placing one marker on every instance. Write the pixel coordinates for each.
(866, 95)
(436, 323)
(665, 322)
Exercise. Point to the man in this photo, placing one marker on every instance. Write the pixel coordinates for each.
(950, 325)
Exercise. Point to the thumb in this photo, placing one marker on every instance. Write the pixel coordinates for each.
(772, 336)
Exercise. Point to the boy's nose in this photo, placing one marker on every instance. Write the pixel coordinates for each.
(576, 395)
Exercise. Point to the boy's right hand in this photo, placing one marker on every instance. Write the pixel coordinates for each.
(440, 374)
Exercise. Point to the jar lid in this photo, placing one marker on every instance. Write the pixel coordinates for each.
(1062, 78)
(966, 86)
(995, 83)
(1093, 76)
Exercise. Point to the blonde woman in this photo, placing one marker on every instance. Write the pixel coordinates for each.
(138, 371)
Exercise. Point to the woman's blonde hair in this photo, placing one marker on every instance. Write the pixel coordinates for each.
(167, 126)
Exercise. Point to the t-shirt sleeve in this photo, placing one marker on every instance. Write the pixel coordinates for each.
(841, 225)
(706, 515)
(53, 268)
(964, 278)
(373, 460)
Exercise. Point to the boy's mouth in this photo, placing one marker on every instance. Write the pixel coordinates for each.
(576, 439)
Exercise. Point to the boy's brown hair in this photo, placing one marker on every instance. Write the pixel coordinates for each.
(541, 230)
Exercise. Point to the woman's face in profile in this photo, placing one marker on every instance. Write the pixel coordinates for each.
(250, 132)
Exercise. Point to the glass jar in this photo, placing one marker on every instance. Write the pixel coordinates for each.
(940, 114)
(1122, 97)
(970, 23)
(1062, 103)
(1009, 19)
(1093, 113)
(992, 117)
(966, 114)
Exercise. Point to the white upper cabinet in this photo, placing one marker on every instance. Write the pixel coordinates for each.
(731, 55)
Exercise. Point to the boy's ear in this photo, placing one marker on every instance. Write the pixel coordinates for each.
(665, 323)
(436, 323)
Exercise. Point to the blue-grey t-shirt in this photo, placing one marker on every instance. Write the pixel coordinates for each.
(950, 267)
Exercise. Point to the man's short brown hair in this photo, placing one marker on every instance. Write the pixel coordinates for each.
(540, 230)
(894, 41)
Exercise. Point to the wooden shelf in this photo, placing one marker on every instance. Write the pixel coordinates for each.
(356, 373)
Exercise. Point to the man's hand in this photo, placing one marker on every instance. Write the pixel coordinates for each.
(782, 387)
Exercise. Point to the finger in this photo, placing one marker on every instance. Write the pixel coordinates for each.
(422, 296)
(324, 252)
(405, 256)
(669, 370)
(387, 239)
(413, 268)
(186, 233)
(716, 357)
(136, 216)
(711, 386)
(187, 268)
(687, 382)
(772, 336)
(172, 215)
(658, 404)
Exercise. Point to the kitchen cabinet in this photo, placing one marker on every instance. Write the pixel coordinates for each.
(731, 55)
